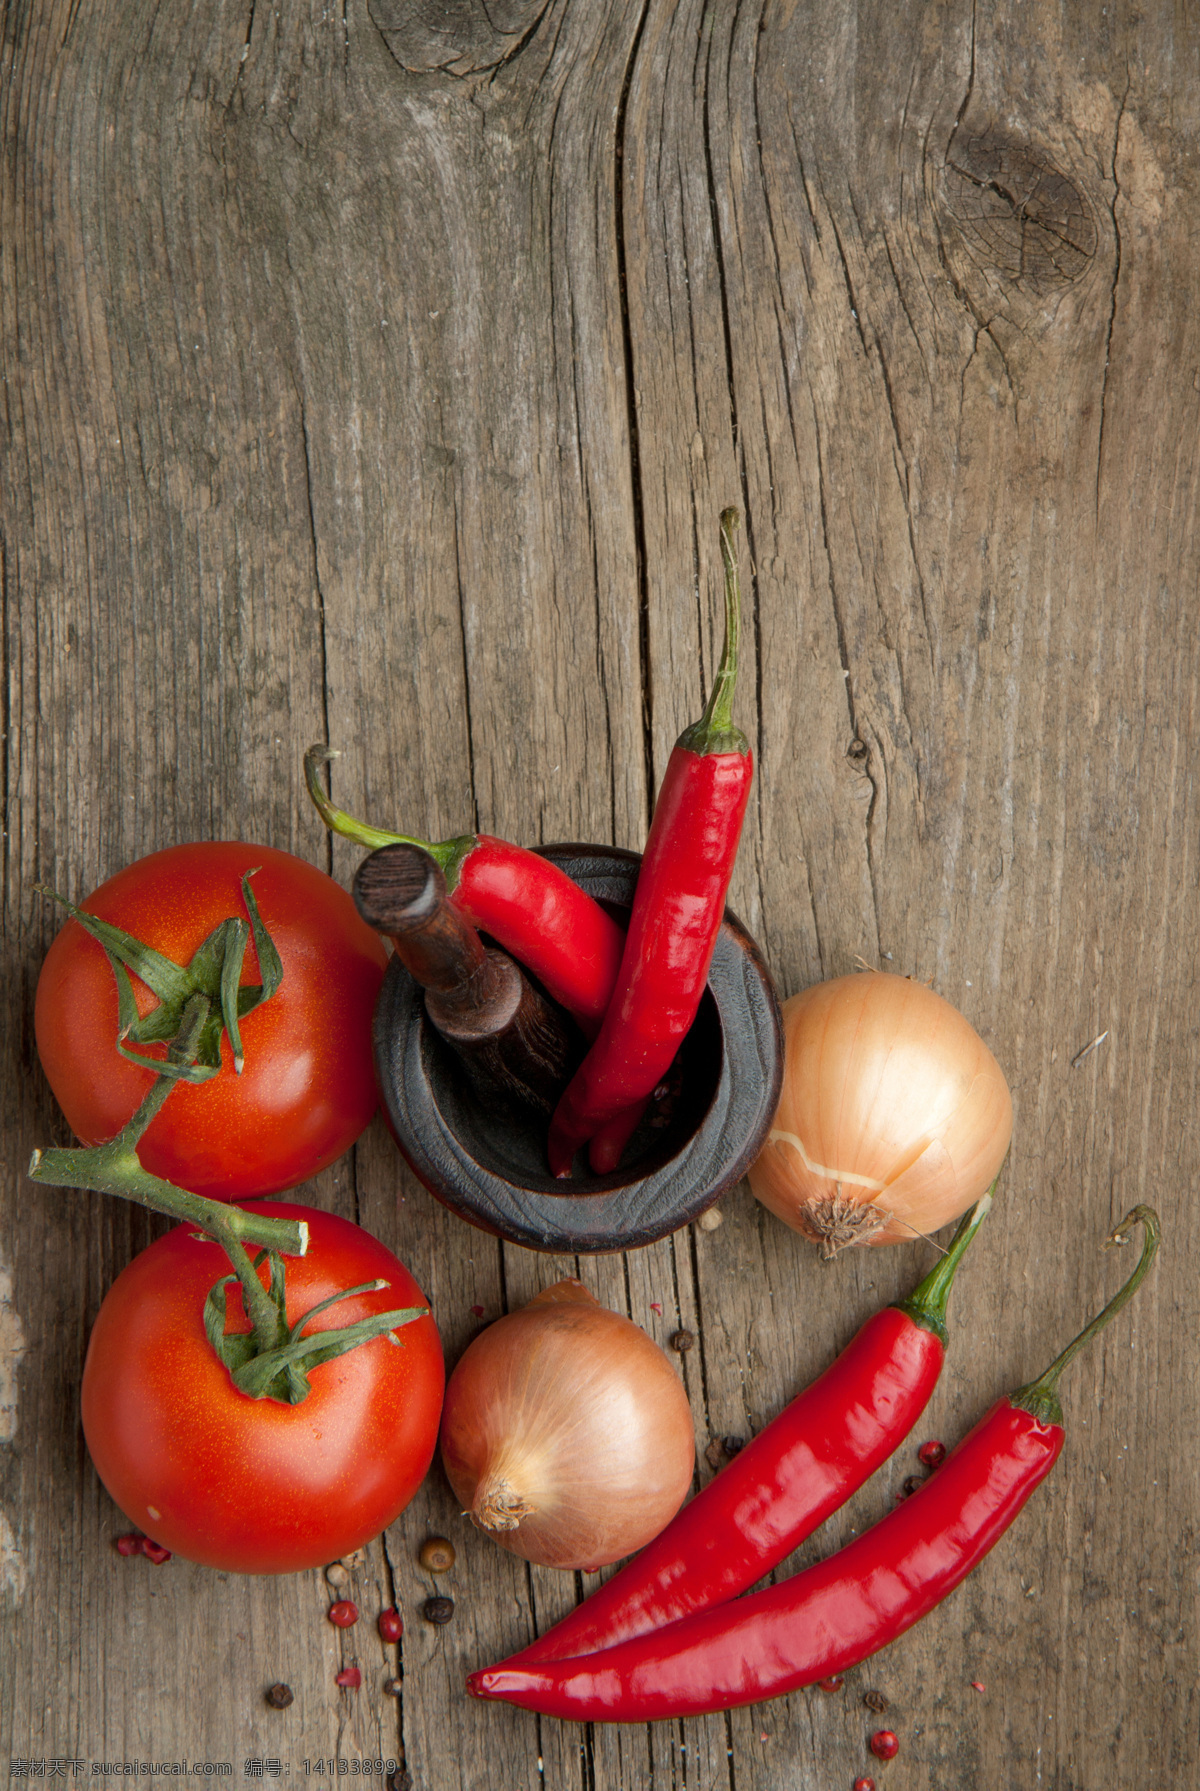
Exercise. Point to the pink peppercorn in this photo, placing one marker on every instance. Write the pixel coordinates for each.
(391, 1625)
(130, 1544)
(155, 1552)
(350, 1677)
(884, 1745)
(864, 1785)
(931, 1455)
(343, 1613)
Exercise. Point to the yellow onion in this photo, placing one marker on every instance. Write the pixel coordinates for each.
(566, 1432)
(894, 1116)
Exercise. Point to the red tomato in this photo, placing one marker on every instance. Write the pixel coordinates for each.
(249, 1485)
(308, 1086)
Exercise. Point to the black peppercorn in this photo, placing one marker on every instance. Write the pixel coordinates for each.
(682, 1341)
(438, 1610)
(875, 1700)
(279, 1696)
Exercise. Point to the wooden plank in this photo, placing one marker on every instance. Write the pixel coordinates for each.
(381, 385)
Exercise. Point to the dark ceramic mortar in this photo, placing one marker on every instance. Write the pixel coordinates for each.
(494, 1174)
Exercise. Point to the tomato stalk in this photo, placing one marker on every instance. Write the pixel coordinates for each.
(113, 1168)
(196, 1004)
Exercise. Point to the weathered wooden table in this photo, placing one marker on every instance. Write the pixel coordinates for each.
(376, 373)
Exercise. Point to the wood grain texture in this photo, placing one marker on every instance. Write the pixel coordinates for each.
(377, 373)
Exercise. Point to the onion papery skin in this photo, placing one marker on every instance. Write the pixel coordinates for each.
(568, 1423)
(893, 1119)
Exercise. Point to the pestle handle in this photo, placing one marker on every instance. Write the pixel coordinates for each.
(401, 891)
(513, 1042)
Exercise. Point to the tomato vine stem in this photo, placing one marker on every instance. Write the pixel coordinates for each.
(114, 1168)
(272, 1360)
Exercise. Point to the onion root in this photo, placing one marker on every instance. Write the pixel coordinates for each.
(499, 1506)
(835, 1222)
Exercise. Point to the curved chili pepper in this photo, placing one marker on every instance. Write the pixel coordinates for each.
(677, 910)
(529, 906)
(834, 1614)
(799, 1469)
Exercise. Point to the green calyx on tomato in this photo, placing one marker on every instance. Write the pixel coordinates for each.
(213, 975)
(280, 1370)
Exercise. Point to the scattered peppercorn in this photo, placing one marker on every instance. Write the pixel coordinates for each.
(438, 1610)
(337, 1575)
(393, 1687)
(279, 1696)
(129, 1545)
(436, 1554)
(349, 1677)
(931, 1455)
(682, 1341)
(977, 1685)
(875, 1700)
(391, 1625)
(864, 1785)
(711, 1219)
(884, 1745)
(343, 1613)
(832, 1684)
(910, 1486)
(155, 1552)
(733, 1445)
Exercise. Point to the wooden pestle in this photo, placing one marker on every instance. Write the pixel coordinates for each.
(512, 1041)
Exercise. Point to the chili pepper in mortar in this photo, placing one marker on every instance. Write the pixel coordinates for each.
(529, 906)
(843, 1609)
(678, 906)
(794, 1474)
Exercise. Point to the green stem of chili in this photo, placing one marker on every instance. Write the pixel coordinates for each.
(715, 732)
(449, 854)
(926, 1304)
(1040, 1398)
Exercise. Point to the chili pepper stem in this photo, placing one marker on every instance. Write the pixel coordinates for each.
(926, 1304)
(1040, 1398)
(715, 732)
(449, 854)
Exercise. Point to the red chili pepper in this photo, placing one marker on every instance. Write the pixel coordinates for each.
(834, 1614)
(678, 906)
(529, 906)
(799, 1469)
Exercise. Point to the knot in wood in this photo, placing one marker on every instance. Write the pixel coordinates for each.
(1018, 214)
(459, 37)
